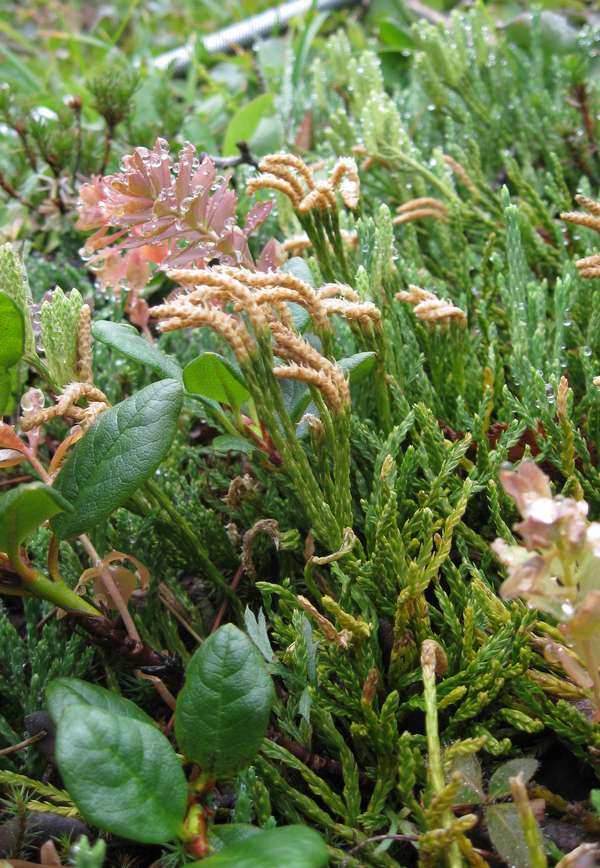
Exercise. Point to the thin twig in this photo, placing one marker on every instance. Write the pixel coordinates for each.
(245, 158)
(128, 622)
(14, 194)
(160, 687)
(234, 584)
(117, 599)
(582, 103)
(14, 480)
(166, 597)
(76, 109)
(23, 744)
(375, 840)
(108, 137)
(21, 131)
(424, 11)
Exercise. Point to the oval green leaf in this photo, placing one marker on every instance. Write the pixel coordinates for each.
(229, 834)
(122, 774)
(296, 397)
(126, 339)
(61, 693)
(471, 789)
(299, 268)
(289, 846)
(223, 710)
(358, 366)
(245, 121)
(500, 781)
(225, 443)
(214, 377)
(24, 509)
(507, 835)
(12, 329)
(267, 137)
(123, 447)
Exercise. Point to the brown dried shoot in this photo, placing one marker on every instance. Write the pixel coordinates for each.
(250, 290)
(589, 266)
(307, 364)
(415, 209)
(180, 314)
(461, 173)
(342, 638)
(66, 407)
(84, 345)
(429, 308)
(298, 244)
(290, 175)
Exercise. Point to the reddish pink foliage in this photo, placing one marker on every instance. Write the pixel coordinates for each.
(172, 214)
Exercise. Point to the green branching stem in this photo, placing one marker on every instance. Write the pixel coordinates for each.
(432, 659)
(533, 838)
(313, 227)
(257, 370)
(58, 593)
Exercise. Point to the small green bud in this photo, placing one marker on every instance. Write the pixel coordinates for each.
(59, 318)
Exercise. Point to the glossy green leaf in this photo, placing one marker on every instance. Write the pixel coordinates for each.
(123, 447)
(223, 710)
(267, 137)
(394, 36)
(499, 782)
(24, 509)
(287, 847)
(359, 366)
(14, 284)
(224, 443)
(296, 397)
(506, 833)
(12, 332)
(127, 341)
(122, 774)
(64, 692)
(300, 269)
(245, 121)
(213, 376)
(229, 834)
(257, 630)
